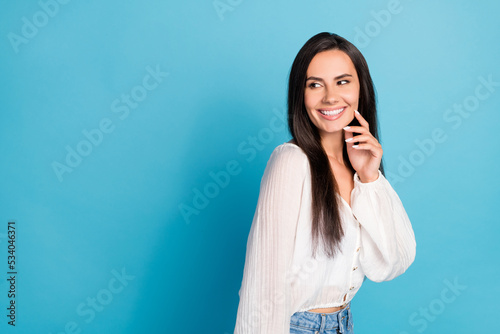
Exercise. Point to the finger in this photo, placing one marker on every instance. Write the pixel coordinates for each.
(361, 120)
(358, 129)
(376, 151)
(363, 139)
(364, 147)
(347, 134)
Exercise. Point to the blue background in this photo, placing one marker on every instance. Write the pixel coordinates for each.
(119, 211)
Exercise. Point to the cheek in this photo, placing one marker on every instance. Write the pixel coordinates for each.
(352, 97)
(312, 99)
(309, 100)
(310, 103)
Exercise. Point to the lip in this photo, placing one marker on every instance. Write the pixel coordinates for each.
(333, 117)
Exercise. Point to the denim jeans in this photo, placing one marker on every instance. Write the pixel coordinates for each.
(322, 323)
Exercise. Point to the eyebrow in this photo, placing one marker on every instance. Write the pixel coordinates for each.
(336, 78)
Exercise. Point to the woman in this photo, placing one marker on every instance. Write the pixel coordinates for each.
(326, 217)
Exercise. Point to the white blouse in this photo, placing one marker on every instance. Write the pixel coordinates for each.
(281, 277)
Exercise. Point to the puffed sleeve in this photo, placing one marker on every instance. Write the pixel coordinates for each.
(388, 245)
(265, 298)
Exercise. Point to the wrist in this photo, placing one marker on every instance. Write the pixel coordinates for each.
(367, 178)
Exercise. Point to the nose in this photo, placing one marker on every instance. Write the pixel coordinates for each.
(330, 96)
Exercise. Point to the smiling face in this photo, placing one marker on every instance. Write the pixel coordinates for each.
(332, 91)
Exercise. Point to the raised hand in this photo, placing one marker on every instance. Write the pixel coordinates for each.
(365, 158)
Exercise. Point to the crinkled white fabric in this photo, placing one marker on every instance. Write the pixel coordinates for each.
(281, 277)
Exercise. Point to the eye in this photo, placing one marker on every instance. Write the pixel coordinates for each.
(314, 85)
(343, 82)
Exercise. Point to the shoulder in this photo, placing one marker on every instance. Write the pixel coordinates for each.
(288, 151)
(288, 157)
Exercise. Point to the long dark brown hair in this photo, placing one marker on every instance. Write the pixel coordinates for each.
(325, 204)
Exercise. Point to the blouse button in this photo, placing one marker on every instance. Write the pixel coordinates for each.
(351, 288)
(354, 268)
(357, 250)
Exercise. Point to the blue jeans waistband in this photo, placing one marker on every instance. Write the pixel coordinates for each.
(341, 320)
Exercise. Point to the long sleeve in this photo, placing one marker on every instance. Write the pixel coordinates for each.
(265, 297)
(388, 245)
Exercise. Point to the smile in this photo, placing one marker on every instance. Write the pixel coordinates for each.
(331, 114)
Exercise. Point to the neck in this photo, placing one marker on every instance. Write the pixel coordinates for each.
(333, 144)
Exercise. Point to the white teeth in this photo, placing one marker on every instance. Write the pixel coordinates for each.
(331, 112)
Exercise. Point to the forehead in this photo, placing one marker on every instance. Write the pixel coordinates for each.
(330, 64)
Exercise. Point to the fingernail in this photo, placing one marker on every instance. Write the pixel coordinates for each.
(347, 127)
(348, 139)
(357, 112)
